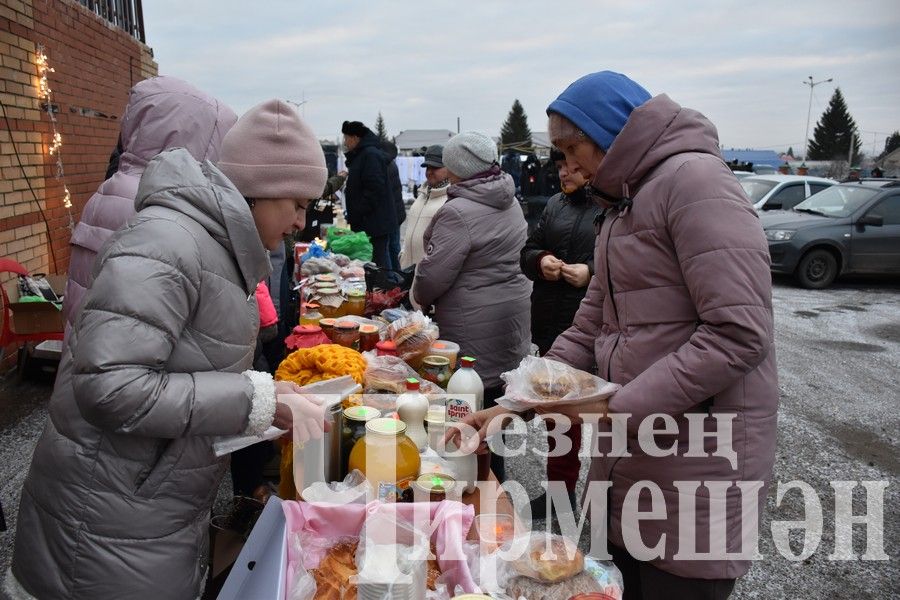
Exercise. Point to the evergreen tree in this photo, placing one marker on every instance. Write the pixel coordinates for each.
(515, 130)
(380, 129)
(831, 137)
(790, 151)
(890, 144)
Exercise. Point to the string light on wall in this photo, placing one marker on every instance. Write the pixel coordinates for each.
(56, 141)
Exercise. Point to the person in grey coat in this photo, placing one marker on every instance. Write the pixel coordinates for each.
(471, 273)
(116, 503)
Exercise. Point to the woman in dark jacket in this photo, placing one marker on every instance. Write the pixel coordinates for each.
(559, 258)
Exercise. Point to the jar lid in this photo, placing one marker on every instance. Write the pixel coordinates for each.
(386, 426)
(467, 362)
(435, 483)
(436, 361)
(328, 291)
(312, 305)
(348, 325)
(439, 345)
(386, 345)
(326, 277)
(357, 293)
(361, 413)
(412, 384)
(307, 329)
(368, 328)
(327, 322)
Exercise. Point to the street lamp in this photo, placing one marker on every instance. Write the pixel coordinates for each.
(812, 84)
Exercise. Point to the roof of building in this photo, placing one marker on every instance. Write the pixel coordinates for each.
(416, 139)
(757, 157)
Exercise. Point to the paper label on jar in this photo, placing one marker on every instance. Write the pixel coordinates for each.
(457, 409)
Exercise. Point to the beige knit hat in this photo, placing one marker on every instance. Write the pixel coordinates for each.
(272, 153)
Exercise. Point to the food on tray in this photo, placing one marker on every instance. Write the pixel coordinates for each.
(339, 565)
(552, 388)
(550, 560)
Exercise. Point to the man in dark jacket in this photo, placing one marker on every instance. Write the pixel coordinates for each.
(559, 258)
(396, 189)
(370, 207)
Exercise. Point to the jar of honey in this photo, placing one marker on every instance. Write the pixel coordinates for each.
(346, 333)
(331, 302)
(310, 314)
(368, 337)
(354, 428)
(356, 303)
(387, 457)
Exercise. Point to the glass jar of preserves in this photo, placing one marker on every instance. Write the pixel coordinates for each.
(389, 460)
(310, 314)
(331, 302)
(346, 333)
(433, 487)
(354, 428)
(368, 337)
(356, 303)
(436, 369)
(327, 326)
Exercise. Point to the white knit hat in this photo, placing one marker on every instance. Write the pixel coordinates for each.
(469, 153)
(272, 153)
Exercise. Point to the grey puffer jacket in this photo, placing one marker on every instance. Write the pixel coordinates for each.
(116, 503)
(471, 274)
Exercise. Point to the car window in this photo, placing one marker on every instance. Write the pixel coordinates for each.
(838, 200)
(815, 188)
(888, 209)
(788, 197)
(756, 188)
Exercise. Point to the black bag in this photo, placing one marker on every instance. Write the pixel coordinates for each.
(386, 279)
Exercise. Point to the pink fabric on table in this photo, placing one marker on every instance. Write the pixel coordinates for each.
(451, 523)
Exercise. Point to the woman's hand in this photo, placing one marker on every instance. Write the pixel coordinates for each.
(470, 438)
(303, 414)
(550, 267)
(576, 275)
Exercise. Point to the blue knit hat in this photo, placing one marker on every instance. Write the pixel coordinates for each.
(599, 104)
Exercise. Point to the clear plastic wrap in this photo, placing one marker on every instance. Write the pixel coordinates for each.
(389, 374)
(414, 334)
(392, 558)
(354, 489)
(543, 383)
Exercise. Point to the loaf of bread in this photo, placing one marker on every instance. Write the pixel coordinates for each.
(550, 560)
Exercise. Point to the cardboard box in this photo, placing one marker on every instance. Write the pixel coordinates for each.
(35, 317)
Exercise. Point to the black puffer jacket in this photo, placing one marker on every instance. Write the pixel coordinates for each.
(566, 231)
(370, 204)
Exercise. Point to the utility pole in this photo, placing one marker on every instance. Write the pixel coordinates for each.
(812, 84)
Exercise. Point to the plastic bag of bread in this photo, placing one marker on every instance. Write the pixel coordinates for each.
(389, 374)
(541, 382)
(414, 334)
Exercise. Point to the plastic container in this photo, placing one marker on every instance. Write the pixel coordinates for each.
(447, 349)
(412, 407)
(387, 457)
(436, 369)
(494, 530)
(346, 333)
(465, 390)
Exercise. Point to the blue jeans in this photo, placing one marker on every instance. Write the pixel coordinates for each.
(394, 250)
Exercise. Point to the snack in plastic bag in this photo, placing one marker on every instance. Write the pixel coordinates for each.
(414, 334)
(389, 374)
(542, 382)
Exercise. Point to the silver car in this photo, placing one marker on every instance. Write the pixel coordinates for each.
(782, 192)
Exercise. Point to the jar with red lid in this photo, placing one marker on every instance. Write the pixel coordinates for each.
(386, 348)
(327, 326)
(368, 337)
(305, 336)
(346, 333)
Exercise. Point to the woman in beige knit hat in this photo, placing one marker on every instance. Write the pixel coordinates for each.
(117, 500)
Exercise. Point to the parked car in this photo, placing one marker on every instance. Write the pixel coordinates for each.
(846, 228)
(741, 174)
(782, 192)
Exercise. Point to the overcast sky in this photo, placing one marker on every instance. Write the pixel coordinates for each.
(423, 64)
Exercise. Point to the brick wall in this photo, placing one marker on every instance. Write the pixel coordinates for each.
(95, 65)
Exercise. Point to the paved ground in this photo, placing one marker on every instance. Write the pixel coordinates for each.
(838, 358)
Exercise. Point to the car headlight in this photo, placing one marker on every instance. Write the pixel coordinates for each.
(779, 235)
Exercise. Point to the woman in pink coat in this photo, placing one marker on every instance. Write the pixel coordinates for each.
(679, 313)
(162, 113)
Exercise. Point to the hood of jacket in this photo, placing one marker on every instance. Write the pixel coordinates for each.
(655, 131)
(166, 112)
(497, 190)
(176, 181)
(370, 140)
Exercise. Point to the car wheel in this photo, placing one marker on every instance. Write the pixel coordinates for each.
(817, 269)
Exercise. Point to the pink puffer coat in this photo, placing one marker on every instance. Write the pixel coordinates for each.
(679, 312)
(162, 112)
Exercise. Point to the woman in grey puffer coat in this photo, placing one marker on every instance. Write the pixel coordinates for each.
(117, 501)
